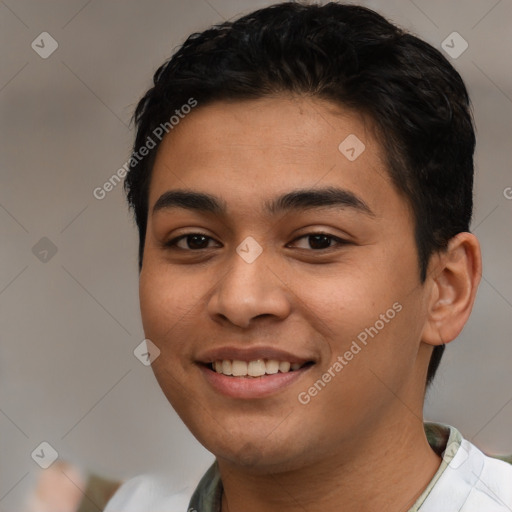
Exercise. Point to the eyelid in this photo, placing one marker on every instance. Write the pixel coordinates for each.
(339, 241)
(170, 244)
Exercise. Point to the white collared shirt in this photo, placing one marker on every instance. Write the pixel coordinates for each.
(466, 481)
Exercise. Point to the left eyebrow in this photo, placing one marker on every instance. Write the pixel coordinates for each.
(301, 199)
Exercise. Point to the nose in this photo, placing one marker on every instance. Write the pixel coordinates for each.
(250, 290)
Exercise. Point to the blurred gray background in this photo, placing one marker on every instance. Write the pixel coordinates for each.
(69, 320)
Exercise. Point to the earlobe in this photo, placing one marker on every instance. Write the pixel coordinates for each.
(454, 283)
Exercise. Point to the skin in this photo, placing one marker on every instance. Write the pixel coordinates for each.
(360, 441)
(60, 487)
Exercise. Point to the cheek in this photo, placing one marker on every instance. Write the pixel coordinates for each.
(168, 319)
(346, 299)
(155, 307)
(373, 314)
(379, 346)
(173, 306)
(163, 307)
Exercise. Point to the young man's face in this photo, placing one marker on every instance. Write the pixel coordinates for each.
(354, 309)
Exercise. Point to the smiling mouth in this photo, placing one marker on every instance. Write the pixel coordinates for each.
(255, 369)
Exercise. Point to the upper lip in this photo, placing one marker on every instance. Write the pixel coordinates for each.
(250, 354)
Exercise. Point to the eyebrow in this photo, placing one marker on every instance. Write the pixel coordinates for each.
(301, 199)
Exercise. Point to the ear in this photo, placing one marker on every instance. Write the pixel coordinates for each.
(455, 277)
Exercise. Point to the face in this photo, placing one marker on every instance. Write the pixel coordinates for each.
(303, 253)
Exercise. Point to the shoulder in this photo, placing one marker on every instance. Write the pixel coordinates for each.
(150, 493)
(468, 480)
(495, 482)
(488, 479)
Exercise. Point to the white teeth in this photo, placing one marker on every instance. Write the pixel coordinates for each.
(284, 366)
(226, 367)
(272, 366)
(239, 368)
(255, 368)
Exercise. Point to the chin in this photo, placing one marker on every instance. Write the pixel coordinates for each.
(257, 456)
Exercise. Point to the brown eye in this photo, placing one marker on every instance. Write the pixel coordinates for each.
(321, 241)
(193, 241)
(199, 241)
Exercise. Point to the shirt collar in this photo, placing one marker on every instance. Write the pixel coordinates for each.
(444, 440)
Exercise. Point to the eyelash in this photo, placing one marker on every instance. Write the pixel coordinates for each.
(171, 244)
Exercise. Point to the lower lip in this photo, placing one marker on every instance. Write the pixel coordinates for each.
(251, 387)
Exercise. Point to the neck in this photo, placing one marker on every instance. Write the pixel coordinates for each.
(384, 471)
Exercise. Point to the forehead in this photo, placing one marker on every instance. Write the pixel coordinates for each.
(249, 151)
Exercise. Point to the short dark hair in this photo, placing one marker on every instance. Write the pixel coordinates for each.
(354, 57)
